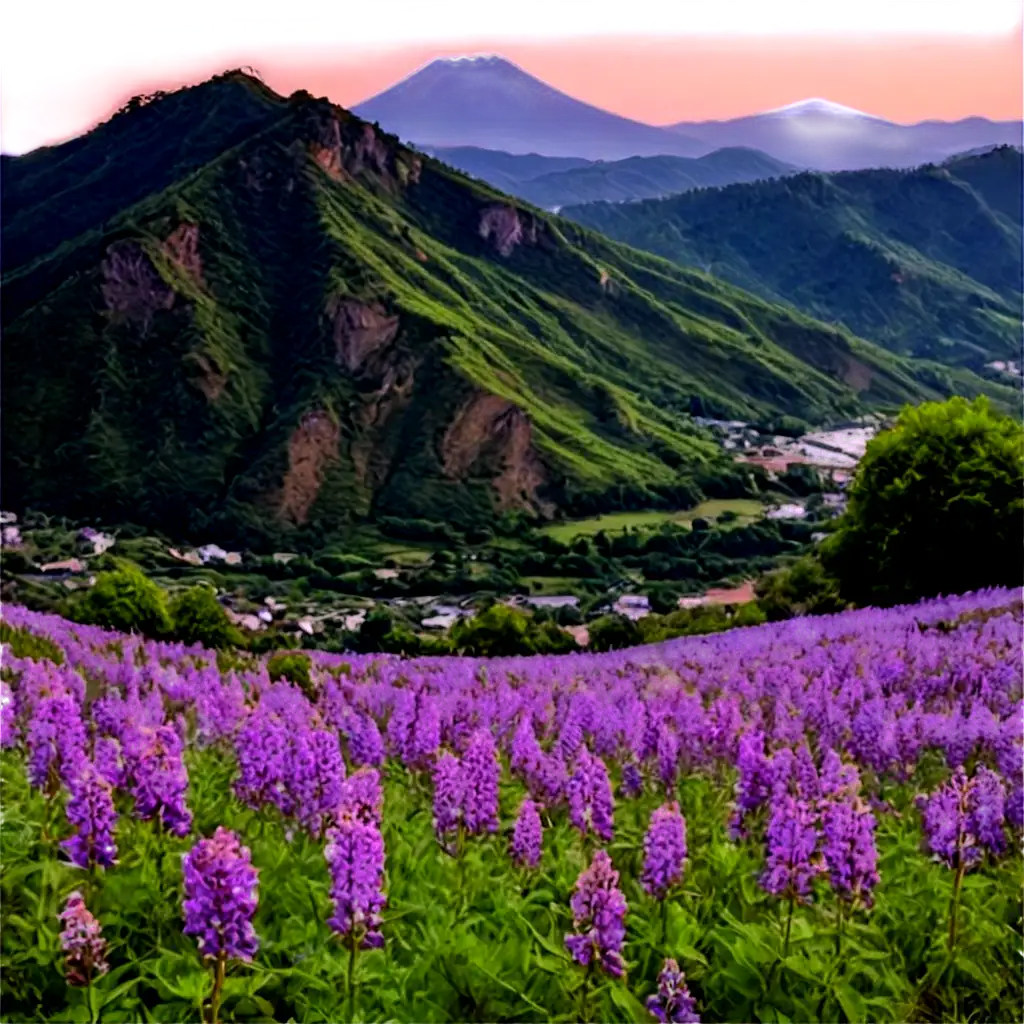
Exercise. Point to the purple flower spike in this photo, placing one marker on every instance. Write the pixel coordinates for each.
(362, 798)
(83, 943)
(591, 804)
(792, 839)
(355, 858)
(528, 836)
(448, 795)
(160, 781)
(91, 810)
(599, 917)
(673, 1004)
(481, 772)
(964, 816)
(664, 851)
(848, 848)
(221, 897)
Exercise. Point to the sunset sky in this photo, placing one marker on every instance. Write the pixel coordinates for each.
(65, 65)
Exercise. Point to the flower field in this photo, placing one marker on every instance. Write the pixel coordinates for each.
(815, 820)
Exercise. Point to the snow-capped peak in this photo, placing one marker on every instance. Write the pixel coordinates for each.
(818, 106)
(472, 59)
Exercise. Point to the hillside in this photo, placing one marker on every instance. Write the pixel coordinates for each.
(831, 137)
(925, 262)
(541, 181)
(247, 327)
(489, 102)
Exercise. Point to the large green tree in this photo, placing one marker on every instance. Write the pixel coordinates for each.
(936, 507)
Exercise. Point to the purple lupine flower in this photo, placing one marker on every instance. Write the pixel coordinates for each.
(221, 896)
(8, 717)
(365, 743)
(448, 795)
(837, 779)
(668, 755)
(355, 858)
(986, 810)
(260, 749)
(808, 785)
(108, 760)
(664, 851)
(848, 848)
(525, 754)
(55, 740)
(159, 779)
(82, 940)
(673, 1004)
(481, 772)
(632, 779)
(551, 780)
(599, 917)
(965, 815)
(315, 772)
(361, 797)
(754, 783)
(591, 803)
(90, 809)
(791, 841)
(1015, 807)
(425, 734)
(528, 835)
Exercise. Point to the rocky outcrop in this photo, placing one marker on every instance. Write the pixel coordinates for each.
(369, 151)
(491, 435)
(506, 227)
(182, 248)
(360, 329)
(210, 381)
(133, 290)
(311, 449)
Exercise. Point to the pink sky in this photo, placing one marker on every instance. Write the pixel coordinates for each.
(906, 60)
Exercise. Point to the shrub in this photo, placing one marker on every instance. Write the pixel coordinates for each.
(805, 588)
(936, 507)
(610, 632)
(126, 600)
(199, 619)
(295, 668)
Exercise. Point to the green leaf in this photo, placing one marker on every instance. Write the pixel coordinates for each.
(851, 1002)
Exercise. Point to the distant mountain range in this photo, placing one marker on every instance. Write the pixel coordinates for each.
(553, 182)
(830, 137)
(926, 262)
(229, 312)
(489, 102)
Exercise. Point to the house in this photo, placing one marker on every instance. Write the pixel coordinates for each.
(633, 606)
(100, 542)
(189, 556)
(789, 511)
(440, 621)
(386, 574)
(211, 553)
(69, 565)
(284, 557)
(553, 601)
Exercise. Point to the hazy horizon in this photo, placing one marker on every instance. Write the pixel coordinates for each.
(902, 62)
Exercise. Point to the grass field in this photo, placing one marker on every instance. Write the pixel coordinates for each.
(747, 509)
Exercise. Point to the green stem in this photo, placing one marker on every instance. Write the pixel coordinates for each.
(218, 985)
(839, 932)
(92, 1003)
(351, 977)
(955, 902)
(584, 1016)
(789, 925)
(664, 923)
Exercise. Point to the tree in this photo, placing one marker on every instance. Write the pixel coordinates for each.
(936, 507)
(803, 588)
(199, 619)
(611, 632)
(126, 600)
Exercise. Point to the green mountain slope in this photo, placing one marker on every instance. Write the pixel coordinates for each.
(552, 182)
(318, 324)
(926, 262)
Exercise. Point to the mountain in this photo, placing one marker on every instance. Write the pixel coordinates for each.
(649, 177)
(241, 329)
(553, 182)
(926, 262)
(489, 102)
(830, 137)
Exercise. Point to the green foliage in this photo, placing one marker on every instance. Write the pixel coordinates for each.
(128, 601)
(804, 588)
(611, 632)
(936, 507)
(24, 644)
(501, 631)
(926, 261)
(199, 619)
(293, 667)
